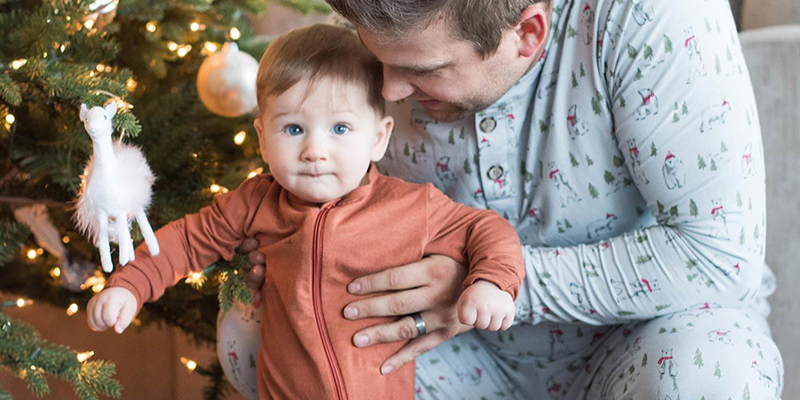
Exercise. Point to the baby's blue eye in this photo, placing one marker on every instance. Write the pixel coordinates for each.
(293, 130)
(340, 129)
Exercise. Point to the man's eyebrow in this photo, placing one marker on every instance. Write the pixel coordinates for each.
(419, 68)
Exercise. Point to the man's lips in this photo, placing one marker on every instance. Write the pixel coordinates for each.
(429, 103)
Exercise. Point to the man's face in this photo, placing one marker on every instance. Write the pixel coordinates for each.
(445, 75)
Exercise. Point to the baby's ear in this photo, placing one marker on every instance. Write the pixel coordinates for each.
(385, 128)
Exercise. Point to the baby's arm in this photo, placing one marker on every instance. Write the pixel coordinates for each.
(490, 247)
(484, 306)
(113, 307)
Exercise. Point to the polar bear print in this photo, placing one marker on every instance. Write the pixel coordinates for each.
(713, 114)
(587, 22)
(443, 171)
(674, 175)
(697, 67)
(600, 226)
(748, 166)
(720, 336)
(575, 126)
(649, 104)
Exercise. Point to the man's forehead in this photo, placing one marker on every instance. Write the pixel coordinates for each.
(414, 52)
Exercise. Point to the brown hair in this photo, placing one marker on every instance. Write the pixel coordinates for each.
(319, 51)
(481, 22)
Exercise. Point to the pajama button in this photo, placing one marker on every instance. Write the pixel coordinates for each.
(495, 172)
(488, 124)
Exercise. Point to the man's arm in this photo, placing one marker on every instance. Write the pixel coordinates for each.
(686, 123)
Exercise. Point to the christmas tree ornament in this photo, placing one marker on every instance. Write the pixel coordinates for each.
(226, 82)
(101, 13)
(74, 270)
(237, 347)
(116, 186)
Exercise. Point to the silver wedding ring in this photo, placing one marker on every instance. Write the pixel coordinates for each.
(419, 323)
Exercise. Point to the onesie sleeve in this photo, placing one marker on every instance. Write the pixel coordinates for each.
(192, 243)
(487, 242)
(685, 122)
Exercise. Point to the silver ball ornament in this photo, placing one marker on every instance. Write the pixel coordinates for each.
(226, 82)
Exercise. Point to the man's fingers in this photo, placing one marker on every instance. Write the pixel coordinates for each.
(403, 277)
(402, 329)
(247, 246)
(414, 349)
(400, 303)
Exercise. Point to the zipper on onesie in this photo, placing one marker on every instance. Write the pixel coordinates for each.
(316, 282)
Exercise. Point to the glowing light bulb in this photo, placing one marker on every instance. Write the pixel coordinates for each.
(32, 254)
(194, 26)
(151, 26)
(100, 67)
(23, 302)
(211, 47)
(17, 64)
(55, 272)
(72, 309)
(85, 356)
(235, 33)
(131, 84)
(65, 239)
(184, 50)
(172, 46)
(215, 188)
(89, 24)
(191, 365)
(240, 137)
(10, 119)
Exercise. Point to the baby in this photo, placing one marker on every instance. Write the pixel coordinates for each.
(323, 217)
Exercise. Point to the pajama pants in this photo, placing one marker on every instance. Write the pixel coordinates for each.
(705, 354)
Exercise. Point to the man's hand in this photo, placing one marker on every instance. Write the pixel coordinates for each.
(113, 307)
(430, 286)
(255, 277)
(484, 306)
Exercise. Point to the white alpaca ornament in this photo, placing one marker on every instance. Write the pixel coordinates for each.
(115, 187)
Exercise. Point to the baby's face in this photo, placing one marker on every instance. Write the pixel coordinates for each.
(319, 142)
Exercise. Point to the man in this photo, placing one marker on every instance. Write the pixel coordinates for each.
(607, 133)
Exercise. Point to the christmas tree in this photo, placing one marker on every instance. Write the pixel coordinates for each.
(143, 56)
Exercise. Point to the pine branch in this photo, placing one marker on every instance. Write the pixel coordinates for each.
(9, 92)
(12, 237)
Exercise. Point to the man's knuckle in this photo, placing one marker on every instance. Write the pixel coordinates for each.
(406, 332)
(394, 279)
(396, 305)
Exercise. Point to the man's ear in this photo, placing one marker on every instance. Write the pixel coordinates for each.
(382, 138)
(532, 29)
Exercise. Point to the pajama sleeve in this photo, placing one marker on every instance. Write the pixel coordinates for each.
(192, 243)
(482, 238)
(678, 91)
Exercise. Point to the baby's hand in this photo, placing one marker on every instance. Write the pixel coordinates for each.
(484, 306)
(113, 307)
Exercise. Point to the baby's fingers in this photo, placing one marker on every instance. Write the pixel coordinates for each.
(125, 316)
(110, 314)
(467, 314)
(495, 323)
(507, 322)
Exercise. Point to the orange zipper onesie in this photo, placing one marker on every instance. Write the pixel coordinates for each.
(312, 252)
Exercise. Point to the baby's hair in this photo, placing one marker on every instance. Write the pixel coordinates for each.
(319, 51)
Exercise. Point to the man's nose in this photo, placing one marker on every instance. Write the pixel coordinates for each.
(395, 87)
